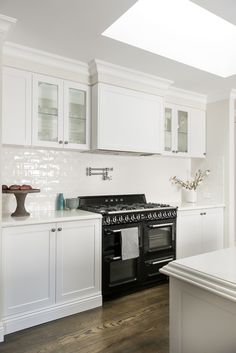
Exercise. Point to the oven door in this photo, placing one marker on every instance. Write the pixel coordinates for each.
(118, 275)
(159, 237)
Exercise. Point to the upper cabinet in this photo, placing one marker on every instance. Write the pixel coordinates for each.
(60, 113)
(126, 120)
(16, 107)
(184, 131)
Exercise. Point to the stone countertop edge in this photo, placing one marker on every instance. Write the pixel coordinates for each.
(198, 206)
(41, 217)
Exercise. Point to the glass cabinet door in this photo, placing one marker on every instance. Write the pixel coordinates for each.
(168, 130)
(76, 115)
(47, 111)
(182, 131)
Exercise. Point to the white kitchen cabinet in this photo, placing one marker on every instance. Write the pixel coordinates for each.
(61, 112)
(78, 260)
(50, 271)
(28, 268)
(184, 131)
(199, 231)
(126, 120)
(16, 106)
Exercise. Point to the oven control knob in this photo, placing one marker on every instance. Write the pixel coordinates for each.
(159, 215)
(107, 220)
(149, 216)
(169, 214)
(126, 218)
(174, 214)
(133, 218)
(114, 219)
(138, 217)
(155, 215)
(121, 219)
(165, 214)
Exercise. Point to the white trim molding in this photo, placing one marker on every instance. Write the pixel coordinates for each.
(180, 96)
(44, 58)
(29, 319)
(104, 72)
(6, 24)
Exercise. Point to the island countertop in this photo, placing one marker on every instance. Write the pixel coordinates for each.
(48, 217)
(214, 271)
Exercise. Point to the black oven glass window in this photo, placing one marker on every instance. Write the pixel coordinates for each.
(123, 271)
(160, 237)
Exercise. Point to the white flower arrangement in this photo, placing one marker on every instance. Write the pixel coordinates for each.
(193, 183)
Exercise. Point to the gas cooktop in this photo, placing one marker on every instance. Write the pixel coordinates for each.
(119, 204)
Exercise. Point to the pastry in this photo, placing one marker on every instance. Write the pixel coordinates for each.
(14, 187)
(26, 187)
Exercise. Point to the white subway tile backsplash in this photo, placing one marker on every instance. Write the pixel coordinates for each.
(55, 171)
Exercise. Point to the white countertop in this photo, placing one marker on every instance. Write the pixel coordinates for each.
(198, 205)
(214, 271)
(48, 217)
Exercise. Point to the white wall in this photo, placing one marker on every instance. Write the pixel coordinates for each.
(64, 171)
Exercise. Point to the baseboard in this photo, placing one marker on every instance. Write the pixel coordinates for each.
(19, 322)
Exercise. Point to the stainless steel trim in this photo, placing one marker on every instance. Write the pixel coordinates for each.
(161, 261)
(160, 225)
(116, 258)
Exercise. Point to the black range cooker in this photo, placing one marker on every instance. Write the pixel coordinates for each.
(126, 219)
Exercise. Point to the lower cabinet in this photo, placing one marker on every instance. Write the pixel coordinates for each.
(199, 231)
(50, 271)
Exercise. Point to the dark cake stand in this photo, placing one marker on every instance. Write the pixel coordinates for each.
(20, 201)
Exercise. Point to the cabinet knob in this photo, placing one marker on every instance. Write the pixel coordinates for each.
(66, 142)
(202, 213)
(53, 230)
(60, 142)
(59, 229)
(204, 154)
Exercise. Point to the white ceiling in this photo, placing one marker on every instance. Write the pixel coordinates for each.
(73, 28)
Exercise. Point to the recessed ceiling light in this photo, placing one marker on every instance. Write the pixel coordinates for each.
(179, 30)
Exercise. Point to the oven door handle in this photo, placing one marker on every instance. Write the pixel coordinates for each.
(161, 261)
(160, 225)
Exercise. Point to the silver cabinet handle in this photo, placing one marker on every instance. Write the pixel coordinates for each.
(60, 142)
(161, 261)
(160, 225)
(59, 229)
(53, 230)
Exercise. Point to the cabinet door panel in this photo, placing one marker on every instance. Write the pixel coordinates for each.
(76, 115)
(189, 234)
(78, 260)
(47, 111)
(129, 120)
(213, 230)
(197, 136)
(16, 105)
(28, 268)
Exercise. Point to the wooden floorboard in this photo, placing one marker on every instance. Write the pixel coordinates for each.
(136, 323)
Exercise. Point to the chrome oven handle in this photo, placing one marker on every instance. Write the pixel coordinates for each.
(161, 261)
(160, 225)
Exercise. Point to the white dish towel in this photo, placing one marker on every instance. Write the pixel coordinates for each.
(129, 243)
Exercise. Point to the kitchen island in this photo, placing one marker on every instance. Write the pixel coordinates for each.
(203, 303)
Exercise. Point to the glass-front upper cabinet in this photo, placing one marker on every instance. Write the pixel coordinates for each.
(176, 130)
(168, 130)
(60, 113)
(76, 110)
(47, 111)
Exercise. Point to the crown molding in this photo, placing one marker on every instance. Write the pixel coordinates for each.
(105, 72)
(6, 24)
(187, 95)
(44, 58)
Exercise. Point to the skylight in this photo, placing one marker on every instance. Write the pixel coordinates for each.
(179, 30)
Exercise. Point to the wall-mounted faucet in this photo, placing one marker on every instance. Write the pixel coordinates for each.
(100, 171)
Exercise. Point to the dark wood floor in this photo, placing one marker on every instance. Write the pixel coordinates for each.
(136, 323)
